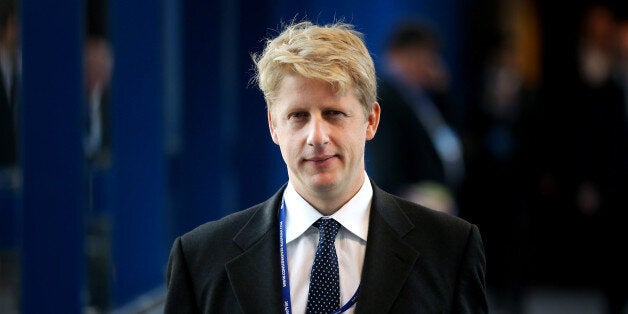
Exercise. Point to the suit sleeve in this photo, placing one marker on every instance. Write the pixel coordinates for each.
(180, 297)
(470, 295)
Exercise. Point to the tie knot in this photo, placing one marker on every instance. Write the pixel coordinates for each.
(328, 228)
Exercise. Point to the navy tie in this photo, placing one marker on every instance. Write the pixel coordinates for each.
(324, 293)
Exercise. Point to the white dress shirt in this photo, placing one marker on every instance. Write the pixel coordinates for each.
(302, 240)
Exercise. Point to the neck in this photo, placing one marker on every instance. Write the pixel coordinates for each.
(328, 202)
(327, 207)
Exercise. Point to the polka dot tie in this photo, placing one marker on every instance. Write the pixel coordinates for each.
(324, 293)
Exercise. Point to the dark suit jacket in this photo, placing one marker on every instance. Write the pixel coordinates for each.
(417, 261)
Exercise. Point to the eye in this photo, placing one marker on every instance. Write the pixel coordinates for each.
(297, 116)
(335, 114)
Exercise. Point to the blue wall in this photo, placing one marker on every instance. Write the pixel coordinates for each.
(51, 212)
(138, 159)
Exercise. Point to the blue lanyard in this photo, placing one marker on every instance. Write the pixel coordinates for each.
(285, 278)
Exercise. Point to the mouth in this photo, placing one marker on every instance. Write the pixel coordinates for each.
(320, 159)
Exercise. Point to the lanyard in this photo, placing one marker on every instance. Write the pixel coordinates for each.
(285, 278)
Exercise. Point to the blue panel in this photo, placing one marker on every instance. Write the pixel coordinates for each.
(196, 172)
(138, 162)
(53, 228)
(260, 168)
(224, 162)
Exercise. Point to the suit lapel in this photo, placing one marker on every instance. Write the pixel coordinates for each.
(388, 260)
(255, 278)
(254, 275)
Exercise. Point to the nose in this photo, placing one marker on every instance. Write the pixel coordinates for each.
(318, 132)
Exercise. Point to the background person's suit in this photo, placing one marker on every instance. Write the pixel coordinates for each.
(402, 153)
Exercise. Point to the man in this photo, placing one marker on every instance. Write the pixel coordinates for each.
(388, 256)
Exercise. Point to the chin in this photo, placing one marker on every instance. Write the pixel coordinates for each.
(323, 184)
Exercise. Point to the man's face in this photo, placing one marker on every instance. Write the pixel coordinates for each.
(321, 136)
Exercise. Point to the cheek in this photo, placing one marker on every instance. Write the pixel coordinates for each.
(288, 146)
(354, 141)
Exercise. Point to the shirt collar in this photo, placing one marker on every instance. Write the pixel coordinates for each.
(353, 216)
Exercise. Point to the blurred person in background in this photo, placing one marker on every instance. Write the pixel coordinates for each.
(616, 275)
(97, 73)
(498, 141)
(98, 67)
(98, 64)
(593, 137)
(418, 153)
(590, 161)
(10, 67)
(10, 174)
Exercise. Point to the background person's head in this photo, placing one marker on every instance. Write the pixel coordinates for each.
(9, 32)
(413, 51)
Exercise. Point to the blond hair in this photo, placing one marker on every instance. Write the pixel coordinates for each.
(333, 53)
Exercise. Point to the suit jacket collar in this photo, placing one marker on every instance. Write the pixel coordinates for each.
(254, 274)
(388, 260)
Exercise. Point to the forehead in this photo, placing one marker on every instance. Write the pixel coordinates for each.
(298, 91)
(297, 85)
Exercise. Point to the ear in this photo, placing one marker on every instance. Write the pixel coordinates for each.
(273, 133)
(373, 122)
